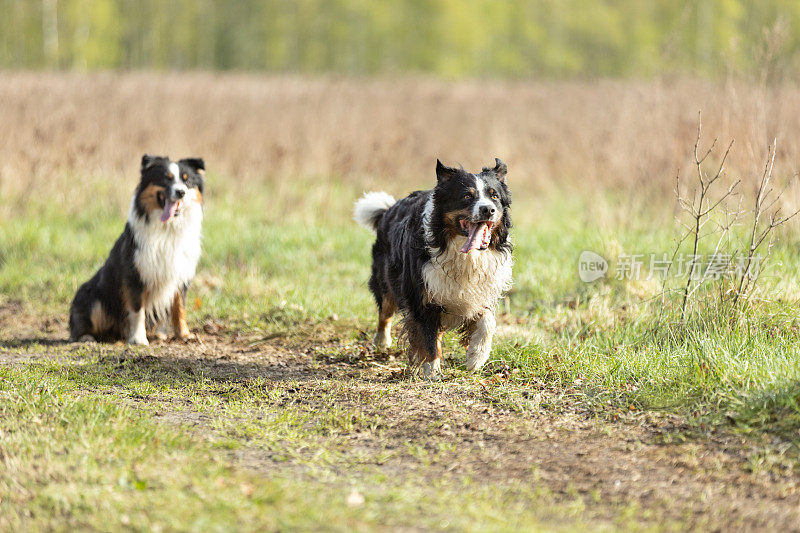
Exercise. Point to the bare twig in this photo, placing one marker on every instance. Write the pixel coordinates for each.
(700, 209)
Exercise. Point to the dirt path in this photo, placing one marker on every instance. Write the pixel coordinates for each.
(608, 465)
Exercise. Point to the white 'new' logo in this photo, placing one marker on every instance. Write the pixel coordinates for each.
(591, 266)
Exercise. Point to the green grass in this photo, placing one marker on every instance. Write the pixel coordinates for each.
(78, 454)
(78, 445)
(291, 272)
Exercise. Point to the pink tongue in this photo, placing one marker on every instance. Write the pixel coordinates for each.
(169, 210)
(475, 238)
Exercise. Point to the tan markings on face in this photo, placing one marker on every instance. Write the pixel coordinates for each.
(148, 198)
(451, 223)
(198, 196)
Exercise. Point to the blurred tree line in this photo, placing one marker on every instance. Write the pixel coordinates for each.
(516, 38)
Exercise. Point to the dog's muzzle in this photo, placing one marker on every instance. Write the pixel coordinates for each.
(479, 234)
(173, 203)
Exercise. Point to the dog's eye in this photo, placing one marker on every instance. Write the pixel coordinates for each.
(494, 196)
(468, 196)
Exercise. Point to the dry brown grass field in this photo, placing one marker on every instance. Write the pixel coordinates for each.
(597, 410)
(633, 134)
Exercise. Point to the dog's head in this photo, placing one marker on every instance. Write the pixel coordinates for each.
(471, 206)
(167, 187)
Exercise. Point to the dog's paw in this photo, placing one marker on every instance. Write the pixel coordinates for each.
(382, 341)
(476, 359)
(187, 337)
(432, 371)
(139, 340)
(158, 335)
(84, 338)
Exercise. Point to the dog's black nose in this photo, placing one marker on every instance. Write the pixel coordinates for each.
(180, 193)
(487, 211)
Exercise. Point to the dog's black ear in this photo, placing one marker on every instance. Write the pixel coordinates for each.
(195, 163)
(444, 173)
(500, 170)
(148, 160)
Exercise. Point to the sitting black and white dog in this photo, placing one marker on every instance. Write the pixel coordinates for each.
(443, 258)
(145, 278)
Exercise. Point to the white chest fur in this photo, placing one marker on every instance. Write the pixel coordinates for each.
(468, 284)
(167, 254)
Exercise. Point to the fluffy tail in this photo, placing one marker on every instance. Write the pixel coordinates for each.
(370, 208)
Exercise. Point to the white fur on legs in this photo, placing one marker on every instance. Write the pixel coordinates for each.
(137, 332)
(480, 343)
(383, 338)
(432, 370)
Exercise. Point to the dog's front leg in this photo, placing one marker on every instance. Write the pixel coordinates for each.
(480, 342)
(425, 339)
(179, 324)
(137, 333)
(432, 358)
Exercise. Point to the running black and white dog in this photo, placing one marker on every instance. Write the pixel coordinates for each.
(145, 278)
(443, 258)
